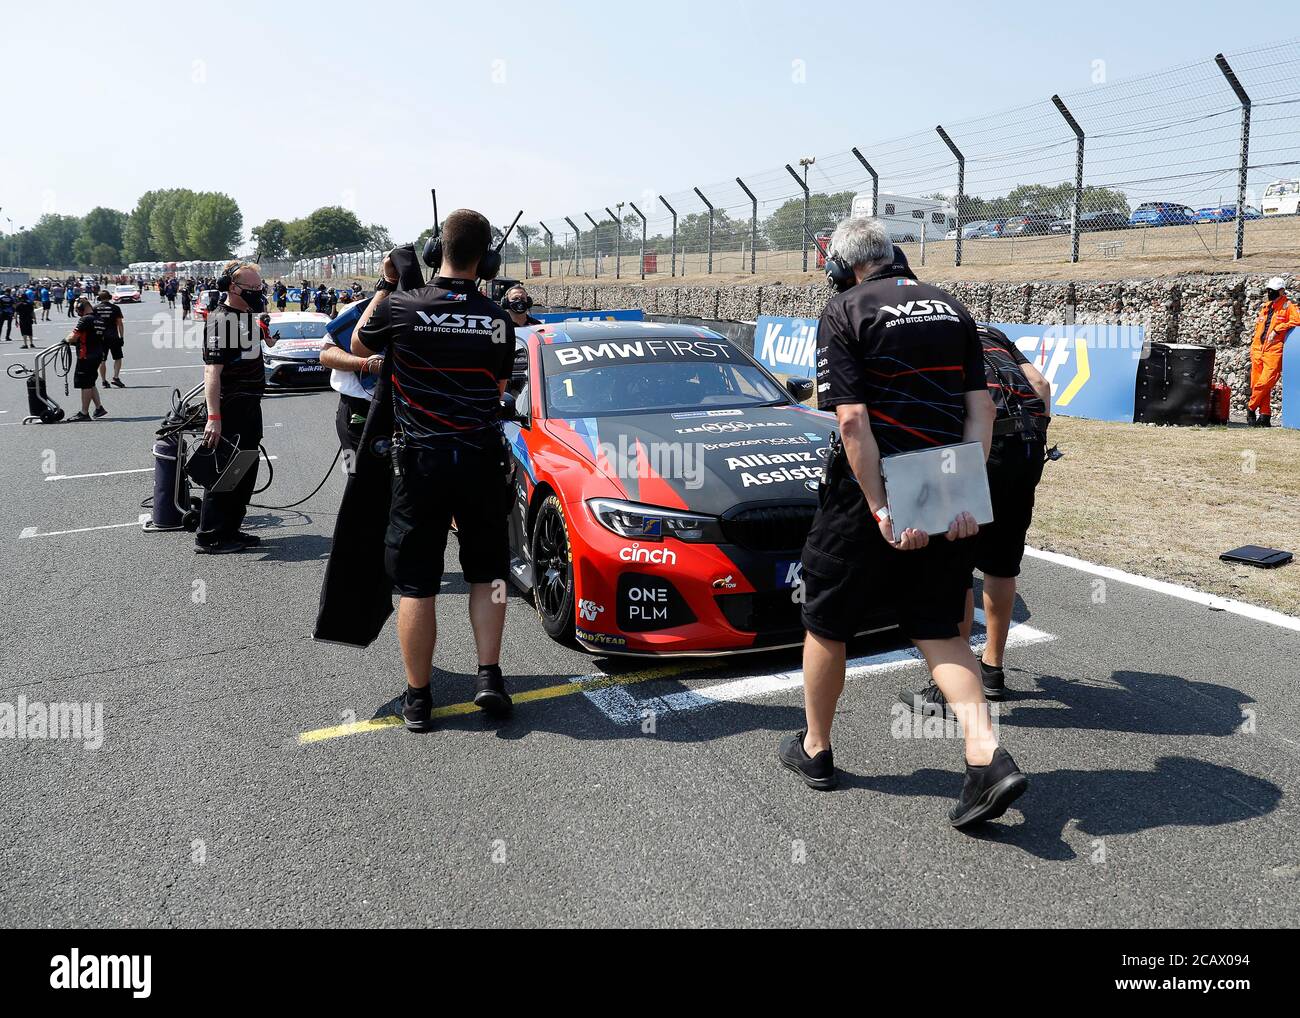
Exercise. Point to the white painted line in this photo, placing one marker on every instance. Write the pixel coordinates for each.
(110, 473)
(31, 531)
(619, 705)
(158, 371)
(1211, 601)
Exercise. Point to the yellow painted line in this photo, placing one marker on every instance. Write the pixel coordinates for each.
(578, 684)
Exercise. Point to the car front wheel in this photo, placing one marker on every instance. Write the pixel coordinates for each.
(553, 570)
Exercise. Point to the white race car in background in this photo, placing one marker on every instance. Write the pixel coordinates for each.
(294, 361)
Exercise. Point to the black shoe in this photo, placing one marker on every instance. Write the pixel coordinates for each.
(988, 790)
(928, 702)
(417, 704)
(101, 412)
(1250, 417)
(817, 771)
(490, 693)
(78, 417)
(1265, 421)
(119, 383)
(994, 682)
(223, 547)
(247, 540)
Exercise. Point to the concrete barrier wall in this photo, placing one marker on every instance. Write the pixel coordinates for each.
(1216, 311)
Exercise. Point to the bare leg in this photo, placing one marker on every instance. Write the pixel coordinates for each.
(956, 674)
(999, 602)
(417, 632)
(487, 617)
(823, 681)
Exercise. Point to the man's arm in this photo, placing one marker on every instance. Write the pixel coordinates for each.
(979, 419)
(334, 356)
(358, 346)
(1041, 386)
(212, 395)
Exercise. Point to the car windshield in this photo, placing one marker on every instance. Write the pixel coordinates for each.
(298, 330)
(642, 375)
(124, 289)
(1286, 187)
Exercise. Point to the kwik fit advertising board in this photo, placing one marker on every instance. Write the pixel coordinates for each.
(1092, 368)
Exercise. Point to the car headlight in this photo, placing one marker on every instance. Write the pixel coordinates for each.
(653, 523)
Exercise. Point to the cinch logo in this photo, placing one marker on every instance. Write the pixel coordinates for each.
(918, 308)
(657, 556)
(75, 971)
(451, 320)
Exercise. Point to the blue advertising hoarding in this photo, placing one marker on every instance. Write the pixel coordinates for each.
(1092, 368)
(1291, 381)
(621, 315)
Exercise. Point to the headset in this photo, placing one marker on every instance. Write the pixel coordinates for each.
(839, 275)
(488, 266)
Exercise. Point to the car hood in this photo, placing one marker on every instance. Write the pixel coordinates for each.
(707, 461)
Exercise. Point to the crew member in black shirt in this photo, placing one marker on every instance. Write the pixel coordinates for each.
(7, 307)
(900, 363)
(233, 381)
(85, 337)
(26, 313)
(112, 331)
(451, 351)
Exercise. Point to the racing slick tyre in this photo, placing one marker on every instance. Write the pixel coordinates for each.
(553, 571)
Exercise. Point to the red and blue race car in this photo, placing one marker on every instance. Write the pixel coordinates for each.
(664, 485)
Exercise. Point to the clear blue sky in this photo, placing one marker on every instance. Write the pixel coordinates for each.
(549, 107)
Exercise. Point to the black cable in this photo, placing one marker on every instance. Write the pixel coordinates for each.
(294, 505)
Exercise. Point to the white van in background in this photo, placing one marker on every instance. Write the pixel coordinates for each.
(907, 217)
(1281, 198)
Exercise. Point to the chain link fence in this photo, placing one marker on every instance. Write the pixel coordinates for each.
(1150, 171)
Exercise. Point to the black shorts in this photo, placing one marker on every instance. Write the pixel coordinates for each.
(853, 578)
(114, 350)
(433, 486)
(85, 374)
(1015, 468)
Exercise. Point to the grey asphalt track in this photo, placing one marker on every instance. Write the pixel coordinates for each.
(1150, 806)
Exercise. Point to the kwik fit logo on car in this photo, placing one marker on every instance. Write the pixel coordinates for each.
(787, 345)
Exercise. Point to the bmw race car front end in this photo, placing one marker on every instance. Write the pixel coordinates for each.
(653, 580)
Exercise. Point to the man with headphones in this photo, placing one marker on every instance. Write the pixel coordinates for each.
(517, 304)
(451, 352)
(233, 381)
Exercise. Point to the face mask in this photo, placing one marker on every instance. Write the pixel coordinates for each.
(1272, 294)
(255, 299)
(518, 306)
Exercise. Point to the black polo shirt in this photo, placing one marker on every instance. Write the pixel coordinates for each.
(90, 347)
(449, 347)
(107, 315)
(907, 350)
(233, 339)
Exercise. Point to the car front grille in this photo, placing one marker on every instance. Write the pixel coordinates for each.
(769, 528)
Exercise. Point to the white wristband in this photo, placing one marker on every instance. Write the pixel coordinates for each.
(882, 514)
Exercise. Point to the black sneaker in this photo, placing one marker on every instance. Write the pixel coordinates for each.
(490, 693)
(1250, 417)
(246, 539)
(101, 412)
(994, 681)
(988, 790)
(928, 702)
(417, 704)
(223, 547)
(817, 771)
(1265, 421)
(119, 383)
(78, 417)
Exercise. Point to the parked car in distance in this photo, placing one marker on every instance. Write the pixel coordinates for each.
(1282, 198)
(1226, 213)
(1028, 225)
(1162, 213)
(1091, 222)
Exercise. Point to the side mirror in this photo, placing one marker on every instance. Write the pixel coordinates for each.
(799, 388)
(510, 411)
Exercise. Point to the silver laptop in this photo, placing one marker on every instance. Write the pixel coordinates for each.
(928, 488)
